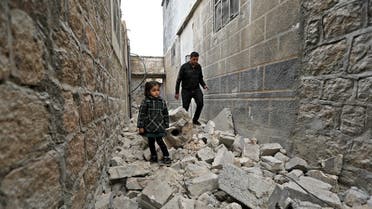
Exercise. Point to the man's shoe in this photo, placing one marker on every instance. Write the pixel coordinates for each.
(196, 123)
(166, 161)
(154, 159)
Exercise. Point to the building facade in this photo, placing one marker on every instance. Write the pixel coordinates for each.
(297, 72)
(63, 100)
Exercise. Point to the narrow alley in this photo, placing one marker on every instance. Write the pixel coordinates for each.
(286, 96)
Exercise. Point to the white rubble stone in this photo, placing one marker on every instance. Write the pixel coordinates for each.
(239, 142)
(252, 151)
(132, 184)
(134, 169)
(246, 162)
(202, 205)
(227, 139)
(233, 205)
(254, 170)
(270, 149)
(206, 154)
(326, 197)
(296, 163)
(272, 164)
(332, 165)
(180, 128)
(116, 161)
(305, 205)
(155, 194)
(201, 184)
(356, 197)
(328, 178)
(223, 121)
(223, 157)
(210, 127)
(187, 160)
(193, 170)
(103, 201)
(123, 202)
(252, 190)
(295, 174)
(209, 200)
(281, 156)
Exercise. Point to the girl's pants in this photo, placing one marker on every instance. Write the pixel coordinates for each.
(160, 142)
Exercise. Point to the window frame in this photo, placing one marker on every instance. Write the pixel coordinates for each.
(218, 5)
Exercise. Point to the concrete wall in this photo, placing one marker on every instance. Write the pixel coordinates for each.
(145, 68)
(250, 65)
(63, 100)
(335, 113)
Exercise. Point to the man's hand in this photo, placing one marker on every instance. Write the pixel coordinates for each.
(206, 87)
(177, 96)
(141, 130)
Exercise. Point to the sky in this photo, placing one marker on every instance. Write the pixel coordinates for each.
(144, 20)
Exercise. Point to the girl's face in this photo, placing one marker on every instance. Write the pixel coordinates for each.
(155, 91)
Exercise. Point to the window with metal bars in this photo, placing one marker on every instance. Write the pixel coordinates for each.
(224, 12)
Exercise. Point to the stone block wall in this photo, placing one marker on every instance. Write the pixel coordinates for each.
(335, 111)
(63, 100)
(250, 65)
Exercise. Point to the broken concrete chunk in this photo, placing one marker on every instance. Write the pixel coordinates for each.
(296, 163)
(233, 205)
(201, 184)
(209, 200)
(328, 178)
(132, 184)
(116, 161)
(332, 165)
(124, 202)
(193, 170)
(227, 139)
(223, 157)
(356, 197)
(295, 174)
(134, 169)
(281, 156)
(253, 191)
(155, 194)
(272, 164)
(224, 121)
(103, 201)
(180, 130)
(270, 149)
(251, 151)
(206, 154)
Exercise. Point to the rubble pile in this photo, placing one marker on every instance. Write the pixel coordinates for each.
(214, 168)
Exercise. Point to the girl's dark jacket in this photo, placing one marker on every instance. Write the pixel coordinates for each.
(153, 115)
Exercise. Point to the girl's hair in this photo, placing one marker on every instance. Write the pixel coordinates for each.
(149, 85)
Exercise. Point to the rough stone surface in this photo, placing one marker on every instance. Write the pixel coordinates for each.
(224, 121)
(253, 191)
(270, 149)
(332, 165)
(223, 157)
(155, 194)
(203, 183)
(338, 89)
(296, 163)
(356, 197)
(129, 170)
(360, 55)
(206, 154)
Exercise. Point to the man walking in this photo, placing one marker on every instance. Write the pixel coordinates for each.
(191, 76)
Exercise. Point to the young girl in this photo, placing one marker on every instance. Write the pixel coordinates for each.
(153, 119)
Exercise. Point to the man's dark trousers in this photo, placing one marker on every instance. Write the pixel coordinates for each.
(197, 94)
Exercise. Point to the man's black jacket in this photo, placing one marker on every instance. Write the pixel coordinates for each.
(190, 77)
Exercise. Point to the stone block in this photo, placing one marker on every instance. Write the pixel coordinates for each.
(238, 61)
(251, 190)
(124, 202)
(27, 49)
(365, 89)
(360, 55)
(224, 121)
(281, 156)
(231, 45)
(251, 80)
(129, 170)
(319, 117)
(260, 7)
(71, 113)
(370, 13)
(310, 88)
(272, 164)
(264, 52)
(253, 33)
(251, 151)
(24, 121)
(295, 174)
(194, 170)
(296, 163)
(199, 185)
(223, 157)
(328, 178)
(355, 197)
(332, 165)
(318, 6)
(312, 32)
(290, 44)
(270, 149)
(75, 159)
(353, 120)
(227, 139)
(281, 75)
(35, 185)
(214, 85)
(155, 194)
(206, 154)
(284, 17)
(343, 20)
(230, 83)
(317, 65)
(86, 109)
